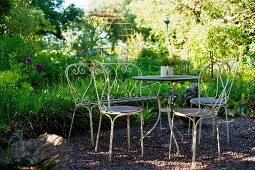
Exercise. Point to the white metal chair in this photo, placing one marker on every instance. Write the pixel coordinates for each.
(221, 71)
(103, 92)
(81, 85)
(124, 88)
(206, 100)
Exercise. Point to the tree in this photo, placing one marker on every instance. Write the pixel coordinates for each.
(59, 17)
(5, 6)
(88, 34)
(24, 20)
(119, 20)
(224, 27)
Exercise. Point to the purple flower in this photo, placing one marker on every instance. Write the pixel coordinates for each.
(28, 59)
(41, 67)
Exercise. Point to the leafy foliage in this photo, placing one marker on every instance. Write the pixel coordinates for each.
(39, 38)
(23, 19)
(59, 18)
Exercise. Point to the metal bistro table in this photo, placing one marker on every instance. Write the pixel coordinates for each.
(175, 79)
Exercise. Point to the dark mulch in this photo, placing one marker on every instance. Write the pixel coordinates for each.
(239, 153)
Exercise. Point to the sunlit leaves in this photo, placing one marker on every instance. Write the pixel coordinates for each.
(25, 20)
(204, 27)
(58, 17)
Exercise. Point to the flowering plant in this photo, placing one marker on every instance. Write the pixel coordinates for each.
(39, 67)
(170, 60)
(26, 60)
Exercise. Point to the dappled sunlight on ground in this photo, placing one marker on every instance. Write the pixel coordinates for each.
(238, 154)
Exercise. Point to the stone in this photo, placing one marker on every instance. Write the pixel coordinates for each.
(191, 92)
(48, 150)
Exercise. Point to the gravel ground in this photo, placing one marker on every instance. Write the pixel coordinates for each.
(239, 153)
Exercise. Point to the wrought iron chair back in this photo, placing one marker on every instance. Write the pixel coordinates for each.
(222, 71)
(211, 77)
(101, 81)
(234, 69)
(123, 86)
(80, 82)
(207, 100)
(79, 79)
(104, 88)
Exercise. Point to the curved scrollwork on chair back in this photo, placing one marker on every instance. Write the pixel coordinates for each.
(219, 73)
(234, 68)
(80, 83)
(122, 84)
(102, 85)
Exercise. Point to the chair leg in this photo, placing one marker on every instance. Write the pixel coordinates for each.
(160, 115)
(194, 138)
(142, 109)
(111, 140)
(191, 105)
(98, 132)
(226, 113)
(213, 124)
(128, 132)
(171, 137)
(160, 124)
(171, 125)
(199, 133)
(141, 117)
(91, 127)
(70, 130)
(218, 136)
(189, 128)
(158, 119)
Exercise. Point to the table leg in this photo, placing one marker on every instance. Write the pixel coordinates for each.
(171, 126)
(158, 119)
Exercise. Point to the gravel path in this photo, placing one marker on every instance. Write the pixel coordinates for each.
(239, 153)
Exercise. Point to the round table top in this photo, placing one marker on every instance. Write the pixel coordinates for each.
(172, 78)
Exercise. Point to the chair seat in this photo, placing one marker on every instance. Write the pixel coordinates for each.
(138, 98)
(125, 110)
(207, 101)
(193, 112)
(118, 100)
(88, 103)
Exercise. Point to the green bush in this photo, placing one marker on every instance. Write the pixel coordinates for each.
(148, 60)
(9, 83)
